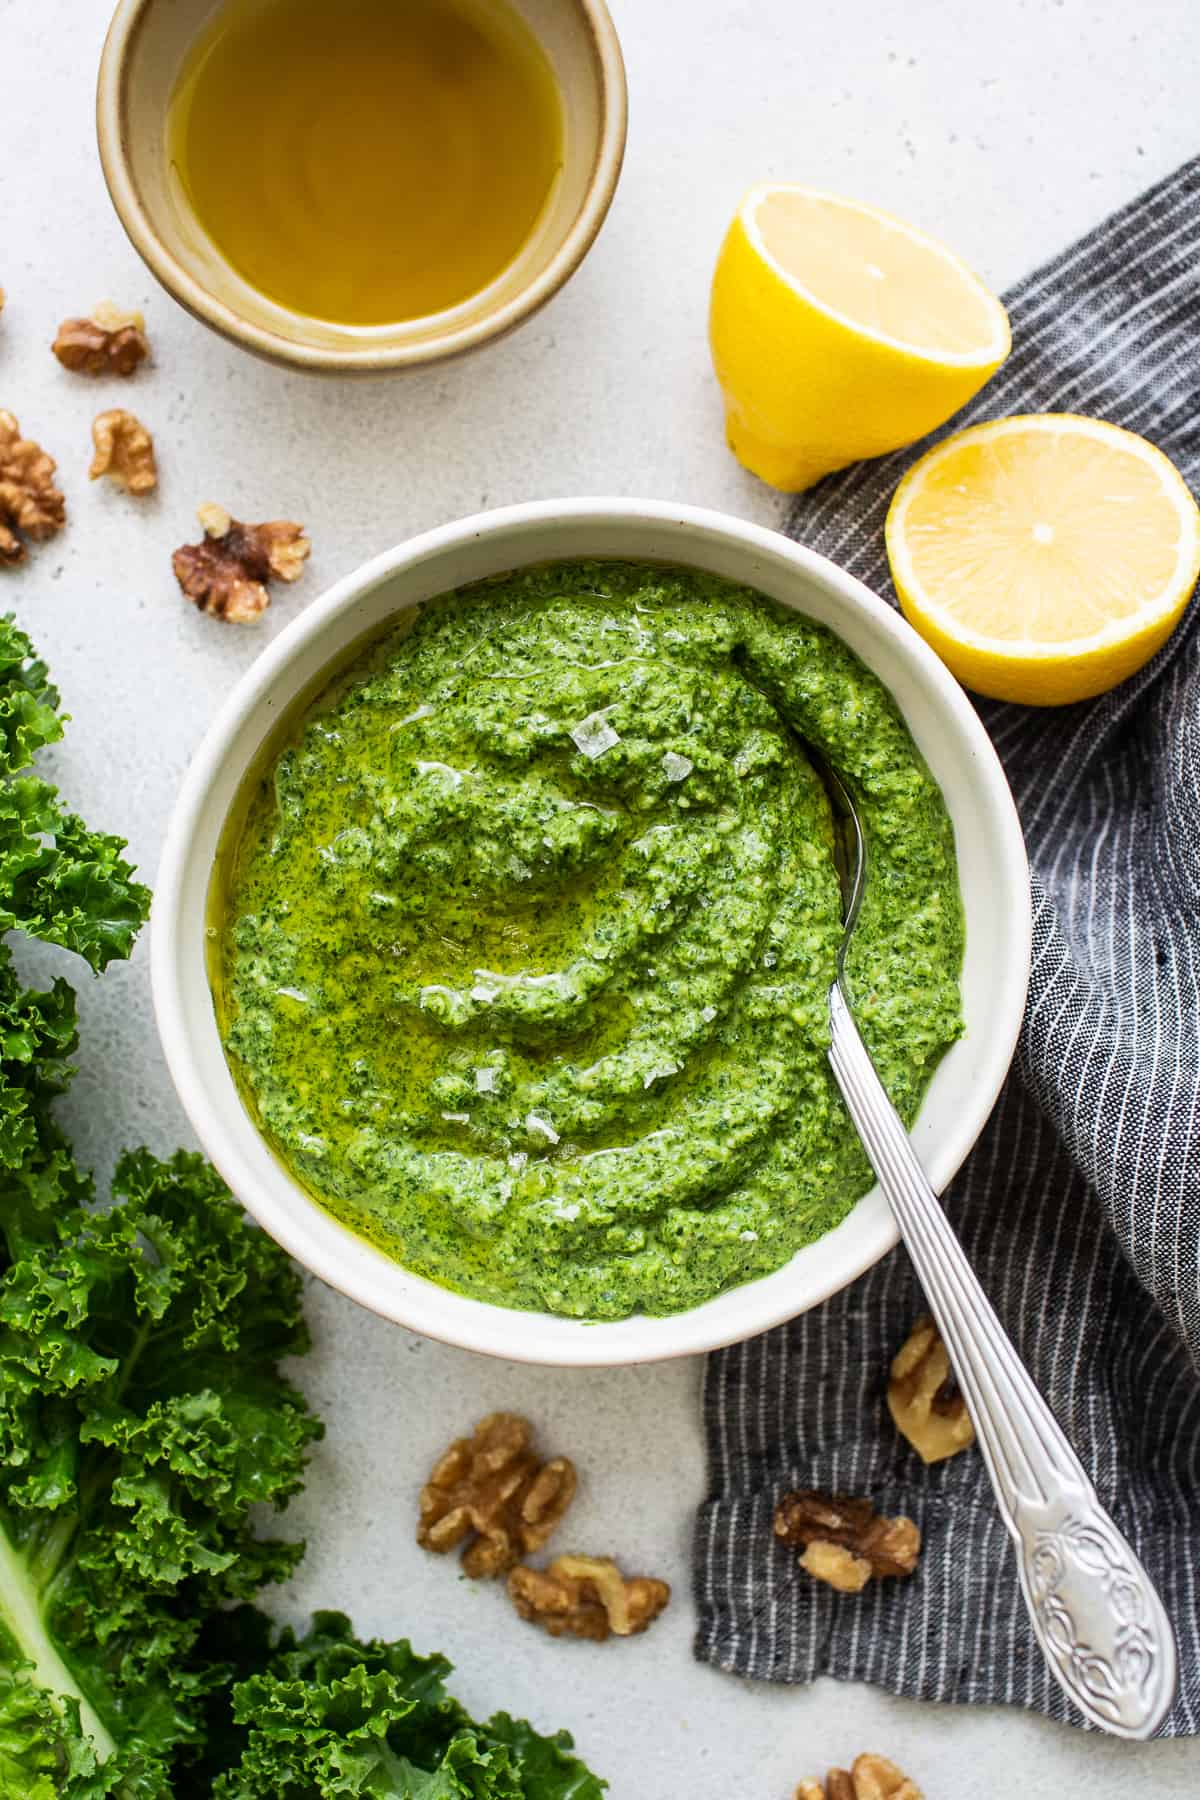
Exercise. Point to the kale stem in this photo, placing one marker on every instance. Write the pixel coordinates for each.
(23, 1620)
(131, 1358)
(47, 1558)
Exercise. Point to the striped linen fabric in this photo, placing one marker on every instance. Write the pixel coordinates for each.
(1080, 1206)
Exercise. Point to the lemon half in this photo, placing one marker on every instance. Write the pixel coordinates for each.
(1044, 557)
(838, 332)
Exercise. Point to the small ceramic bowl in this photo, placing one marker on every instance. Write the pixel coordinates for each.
(146, 45)
(992, 868)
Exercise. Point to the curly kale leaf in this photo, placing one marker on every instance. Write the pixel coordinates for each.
(547, 1771)
(29, 717)
(37, 1038)
(59, 881)
(325, 1715)
(69, 886)
(142, 1416)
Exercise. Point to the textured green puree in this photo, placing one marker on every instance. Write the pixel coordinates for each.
(526, 944)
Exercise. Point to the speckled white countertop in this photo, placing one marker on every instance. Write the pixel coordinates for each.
(1005, 129)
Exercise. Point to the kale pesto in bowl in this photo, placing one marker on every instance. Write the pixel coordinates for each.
(526, 943)
(492, 930)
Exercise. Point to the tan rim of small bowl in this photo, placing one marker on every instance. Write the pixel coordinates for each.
(112, 134)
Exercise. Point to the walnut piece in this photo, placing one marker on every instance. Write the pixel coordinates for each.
(30, 504)
(923, 1396)
(226, 574)
(124, 452)
(827, 1523)
(493, 1490)
(110, 342)
(837, 1566)
(587, 1597)
(871, 1778)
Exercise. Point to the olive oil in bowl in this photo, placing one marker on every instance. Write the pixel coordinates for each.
(367, 162)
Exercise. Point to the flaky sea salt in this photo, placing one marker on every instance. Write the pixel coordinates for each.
(676, 767)
(594, 735)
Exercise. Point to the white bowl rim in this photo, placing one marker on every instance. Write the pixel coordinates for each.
(375, 1280)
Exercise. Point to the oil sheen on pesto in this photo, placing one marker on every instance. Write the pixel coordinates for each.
(527, 942)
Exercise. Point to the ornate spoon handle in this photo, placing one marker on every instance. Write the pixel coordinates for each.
(1094, 1609)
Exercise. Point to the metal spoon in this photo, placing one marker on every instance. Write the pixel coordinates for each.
(1094, 1610)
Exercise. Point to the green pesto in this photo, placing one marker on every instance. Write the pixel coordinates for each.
(526, 944)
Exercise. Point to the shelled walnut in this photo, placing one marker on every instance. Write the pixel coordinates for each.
(871, 1778)
(124, 452)
(845, 1541)
(836, 1566)
(923, 1396)
(30, 504)
(493, 1490)
(226, 574)
(587, 1597)
(108, 342)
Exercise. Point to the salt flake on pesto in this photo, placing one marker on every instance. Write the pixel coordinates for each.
(594, 735)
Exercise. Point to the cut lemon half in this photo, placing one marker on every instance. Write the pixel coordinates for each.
(1045, 557)
(838, 332)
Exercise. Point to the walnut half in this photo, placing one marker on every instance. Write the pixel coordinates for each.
(30, 504)
(109, 342)
(493, 1490)
(587, 1597)
(845, 1541)
(923, 1396)
(226, 574)
(871, 1778)
(124, 452)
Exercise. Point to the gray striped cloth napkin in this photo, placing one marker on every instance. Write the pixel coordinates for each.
(1080, 1206)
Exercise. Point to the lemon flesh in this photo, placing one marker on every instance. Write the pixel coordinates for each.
(1044, 557)
(838, 332)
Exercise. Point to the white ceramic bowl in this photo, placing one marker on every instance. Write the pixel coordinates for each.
(992, 868)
